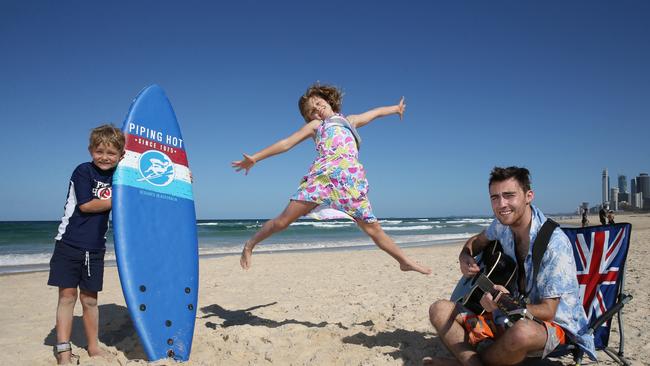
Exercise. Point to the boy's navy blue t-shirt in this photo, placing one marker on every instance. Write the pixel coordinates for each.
(86, 230)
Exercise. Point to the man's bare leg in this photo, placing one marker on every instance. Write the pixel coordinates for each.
(444, 316)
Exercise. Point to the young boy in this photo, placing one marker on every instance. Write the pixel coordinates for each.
(78, 258)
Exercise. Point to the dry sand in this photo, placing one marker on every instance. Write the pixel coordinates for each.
(318, 308)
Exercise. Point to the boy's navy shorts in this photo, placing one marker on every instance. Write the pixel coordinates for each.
(71, 267)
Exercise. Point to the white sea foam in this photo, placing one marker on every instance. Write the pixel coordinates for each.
(390, 222)
(207, 224)
(324, 224)
(9, 262)
(405, 240)
(408, 228)
(35, 258)
(469, 221)
(24, 259)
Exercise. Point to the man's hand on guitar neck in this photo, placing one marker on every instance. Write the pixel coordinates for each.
(489, 301)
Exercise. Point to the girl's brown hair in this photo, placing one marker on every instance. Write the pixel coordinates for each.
(331, 94)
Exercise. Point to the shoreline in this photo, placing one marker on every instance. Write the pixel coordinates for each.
(45, 267)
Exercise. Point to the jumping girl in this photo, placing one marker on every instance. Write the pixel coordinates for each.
(336, 179)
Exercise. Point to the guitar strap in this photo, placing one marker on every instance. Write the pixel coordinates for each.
(539, 247)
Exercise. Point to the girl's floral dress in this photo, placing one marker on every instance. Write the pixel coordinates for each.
(336, 180)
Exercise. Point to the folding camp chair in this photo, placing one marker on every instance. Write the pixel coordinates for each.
(600, 253)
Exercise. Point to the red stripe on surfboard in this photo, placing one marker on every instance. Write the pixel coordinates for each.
(139, 145)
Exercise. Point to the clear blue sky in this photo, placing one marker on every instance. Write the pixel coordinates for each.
(561, 87)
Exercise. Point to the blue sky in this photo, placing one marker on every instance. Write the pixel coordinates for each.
(561, 87)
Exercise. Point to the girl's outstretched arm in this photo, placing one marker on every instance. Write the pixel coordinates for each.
(279, 147)
(360, 120)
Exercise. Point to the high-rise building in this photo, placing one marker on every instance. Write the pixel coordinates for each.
(622, 184)
(643, 186)
(633, 194)
(605, 188)
(613, 199)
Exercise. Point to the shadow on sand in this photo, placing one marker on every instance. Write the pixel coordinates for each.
(115, 330)
(411, 345)
(241, 317)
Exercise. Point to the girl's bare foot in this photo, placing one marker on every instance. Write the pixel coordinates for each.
(246, 257)
(410, 265)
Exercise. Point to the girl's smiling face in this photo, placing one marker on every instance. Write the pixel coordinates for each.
(318, 108)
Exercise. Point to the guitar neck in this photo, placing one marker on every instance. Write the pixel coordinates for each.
(506, 303)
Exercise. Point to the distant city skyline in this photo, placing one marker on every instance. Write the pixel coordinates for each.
(638, 196)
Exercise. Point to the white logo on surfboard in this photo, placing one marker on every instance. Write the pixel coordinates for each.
(156, 168)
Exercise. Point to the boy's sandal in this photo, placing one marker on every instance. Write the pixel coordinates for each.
(65, 347)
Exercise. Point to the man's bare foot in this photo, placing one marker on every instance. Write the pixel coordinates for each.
(246, 257)
(410, 265)
(439, 361)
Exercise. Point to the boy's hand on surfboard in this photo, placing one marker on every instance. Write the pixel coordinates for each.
(245, 164)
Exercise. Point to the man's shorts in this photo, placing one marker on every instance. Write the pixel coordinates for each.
(71, 267)
(483, 327)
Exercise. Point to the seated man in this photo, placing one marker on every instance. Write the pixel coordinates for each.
(554, 294)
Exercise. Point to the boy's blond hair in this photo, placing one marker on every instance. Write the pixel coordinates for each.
(108, 135)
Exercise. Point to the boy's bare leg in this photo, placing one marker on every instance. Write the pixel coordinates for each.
(385, 243)
(291, 213)
(64, 315)
(88, 300)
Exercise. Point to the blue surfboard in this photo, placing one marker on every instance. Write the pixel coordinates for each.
(154, 224)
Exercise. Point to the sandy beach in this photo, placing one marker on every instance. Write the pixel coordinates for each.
(315, 308)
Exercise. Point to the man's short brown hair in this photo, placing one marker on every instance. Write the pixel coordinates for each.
(521, 175)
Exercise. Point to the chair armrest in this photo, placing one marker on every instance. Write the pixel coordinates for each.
(624, 299)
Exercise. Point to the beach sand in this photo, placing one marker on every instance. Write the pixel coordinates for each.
(317, 308)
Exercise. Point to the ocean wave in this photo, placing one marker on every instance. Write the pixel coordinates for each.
(41, 259)
(325, 224)
(390, 222)
(35, 258)
(468, 221)
(408, 228)
(404, 240)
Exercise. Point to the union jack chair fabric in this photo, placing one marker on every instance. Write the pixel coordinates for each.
(600, 253)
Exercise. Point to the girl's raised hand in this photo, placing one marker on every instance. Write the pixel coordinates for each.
(245, 164)
(400, 108)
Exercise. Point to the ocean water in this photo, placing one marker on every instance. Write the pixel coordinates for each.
(27, 245)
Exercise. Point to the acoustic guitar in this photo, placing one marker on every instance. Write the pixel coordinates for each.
(496, 268)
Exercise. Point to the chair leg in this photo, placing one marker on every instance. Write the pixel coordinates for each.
(618, 357)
